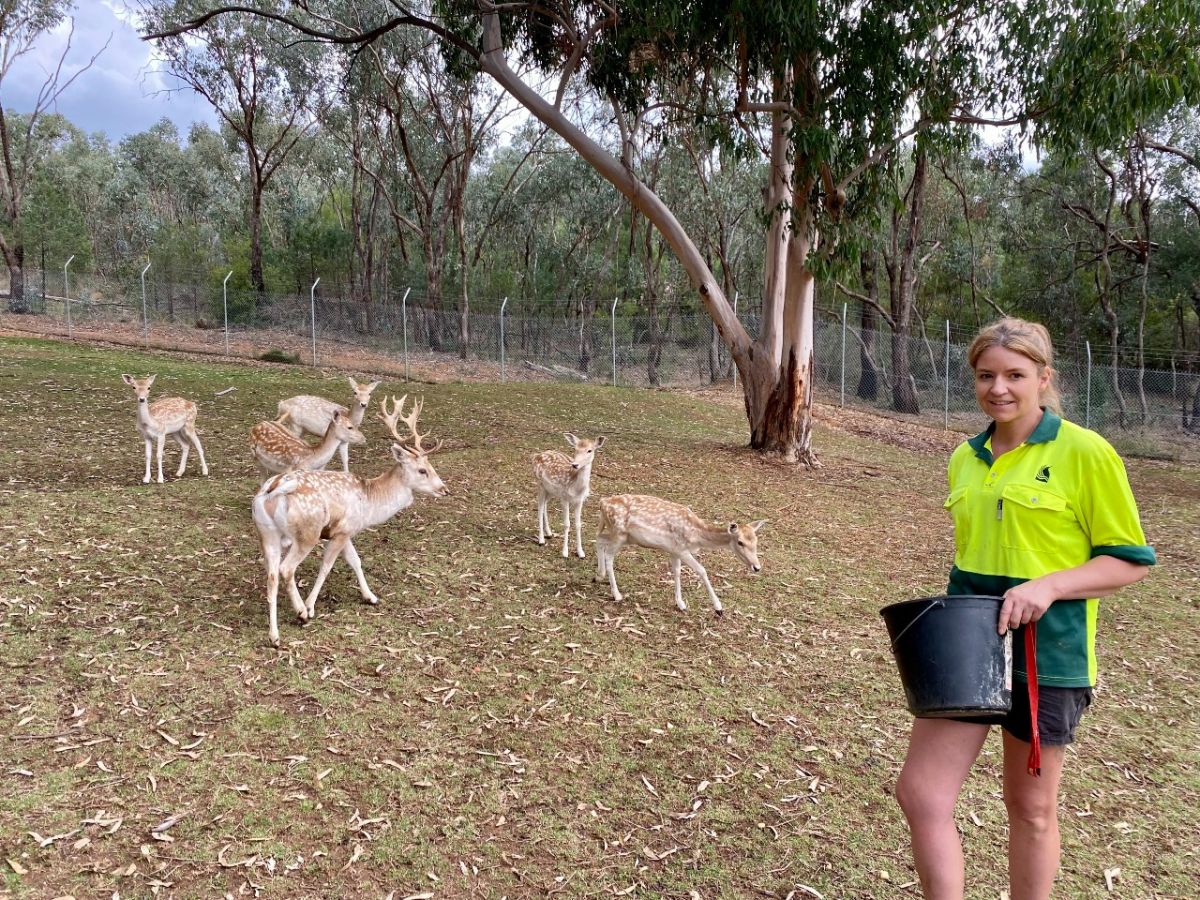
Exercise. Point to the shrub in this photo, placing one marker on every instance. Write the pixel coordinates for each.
(280, 356)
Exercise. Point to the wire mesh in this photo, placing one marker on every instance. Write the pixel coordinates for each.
(1156, 406)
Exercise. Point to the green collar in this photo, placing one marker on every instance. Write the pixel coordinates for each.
(1046, 431)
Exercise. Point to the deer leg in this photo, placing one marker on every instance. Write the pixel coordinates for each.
(161, 439)
(601, 554)
(351, 556)
(543, 519)
(184, 447)
(333, 549)
(287, 572)
(694, 565)
(566, 505)
(678, 587)
(195, 439)
(271, 557)
(146, 480)
(609, 559)
(579, 529)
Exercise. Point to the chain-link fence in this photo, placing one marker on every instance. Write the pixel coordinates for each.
(1152, 410)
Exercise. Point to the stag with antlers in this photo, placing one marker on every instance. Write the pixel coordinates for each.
(295, 510)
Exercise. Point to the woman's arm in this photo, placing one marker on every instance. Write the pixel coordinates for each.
(1098, 577)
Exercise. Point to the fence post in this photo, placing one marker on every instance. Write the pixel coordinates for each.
(67, 297)
(225, 304)
(842, 400)
(612, 315)
(312, 299)
(1087, 409)
(502, 305)
(404, 327)
(732, 360)
(946, 417)
(145, 315)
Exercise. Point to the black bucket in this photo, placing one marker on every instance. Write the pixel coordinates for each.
(951, 659)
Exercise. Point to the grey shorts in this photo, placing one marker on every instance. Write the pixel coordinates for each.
(1059, 713)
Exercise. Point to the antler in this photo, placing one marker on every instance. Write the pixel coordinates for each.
(394, 416)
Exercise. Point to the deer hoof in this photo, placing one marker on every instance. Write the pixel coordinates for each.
(720, 613)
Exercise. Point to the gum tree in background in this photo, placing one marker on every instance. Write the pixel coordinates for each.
(260, 83)
(825, 93)
(25, 138)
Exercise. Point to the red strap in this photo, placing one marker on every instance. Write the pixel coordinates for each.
(1034, 765)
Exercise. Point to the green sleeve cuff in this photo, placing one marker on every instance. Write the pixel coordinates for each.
(1131, 553)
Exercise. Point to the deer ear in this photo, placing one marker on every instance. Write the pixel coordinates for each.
(128, 379)
(373, 385)
(353, 383)
(600, 441)
(733, 527)
(758, 524)
(571, 439)
(150, 380)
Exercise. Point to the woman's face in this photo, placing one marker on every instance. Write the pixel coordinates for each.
(1008, 387)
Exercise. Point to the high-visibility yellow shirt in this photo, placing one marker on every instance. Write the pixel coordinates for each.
(1056, 501)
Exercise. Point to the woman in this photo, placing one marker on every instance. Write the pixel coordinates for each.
(1043, 516)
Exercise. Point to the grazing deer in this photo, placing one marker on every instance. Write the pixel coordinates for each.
(167, 416)
(312, 415)
(295, 510)
(278, 450)
(567, 479)
(662, 525)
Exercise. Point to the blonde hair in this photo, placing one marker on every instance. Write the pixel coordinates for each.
(1031, 340)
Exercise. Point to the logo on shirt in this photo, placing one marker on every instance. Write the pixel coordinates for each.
(1043, 475)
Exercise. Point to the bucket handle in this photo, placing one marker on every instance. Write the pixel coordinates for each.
(936, 602)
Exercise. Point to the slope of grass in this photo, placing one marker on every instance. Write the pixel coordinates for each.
(498, 726)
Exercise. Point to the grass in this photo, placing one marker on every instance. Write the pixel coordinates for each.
(498, 727)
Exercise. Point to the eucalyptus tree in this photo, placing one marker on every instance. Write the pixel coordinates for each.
(822, 92)
(262, 84)
(26, 136)
(54, 217)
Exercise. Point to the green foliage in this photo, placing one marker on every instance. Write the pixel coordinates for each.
(280, 356)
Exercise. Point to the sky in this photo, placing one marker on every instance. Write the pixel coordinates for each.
(124, 92)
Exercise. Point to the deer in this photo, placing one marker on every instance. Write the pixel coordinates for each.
(293, 511)
(567, 479)
(306, 414)
(167, 416)
(658, 524)
(278, 450)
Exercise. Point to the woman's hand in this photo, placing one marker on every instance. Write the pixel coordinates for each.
(1026, 603)
(1098, 577)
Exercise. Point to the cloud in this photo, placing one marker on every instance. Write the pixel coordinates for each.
(125, 91)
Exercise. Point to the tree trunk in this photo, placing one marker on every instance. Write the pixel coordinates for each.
(778, 405)
(904, 395)
(587, 317)
(257, 279)
(464, 301)
(14, 258)
(868, 378)
(778, 393)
